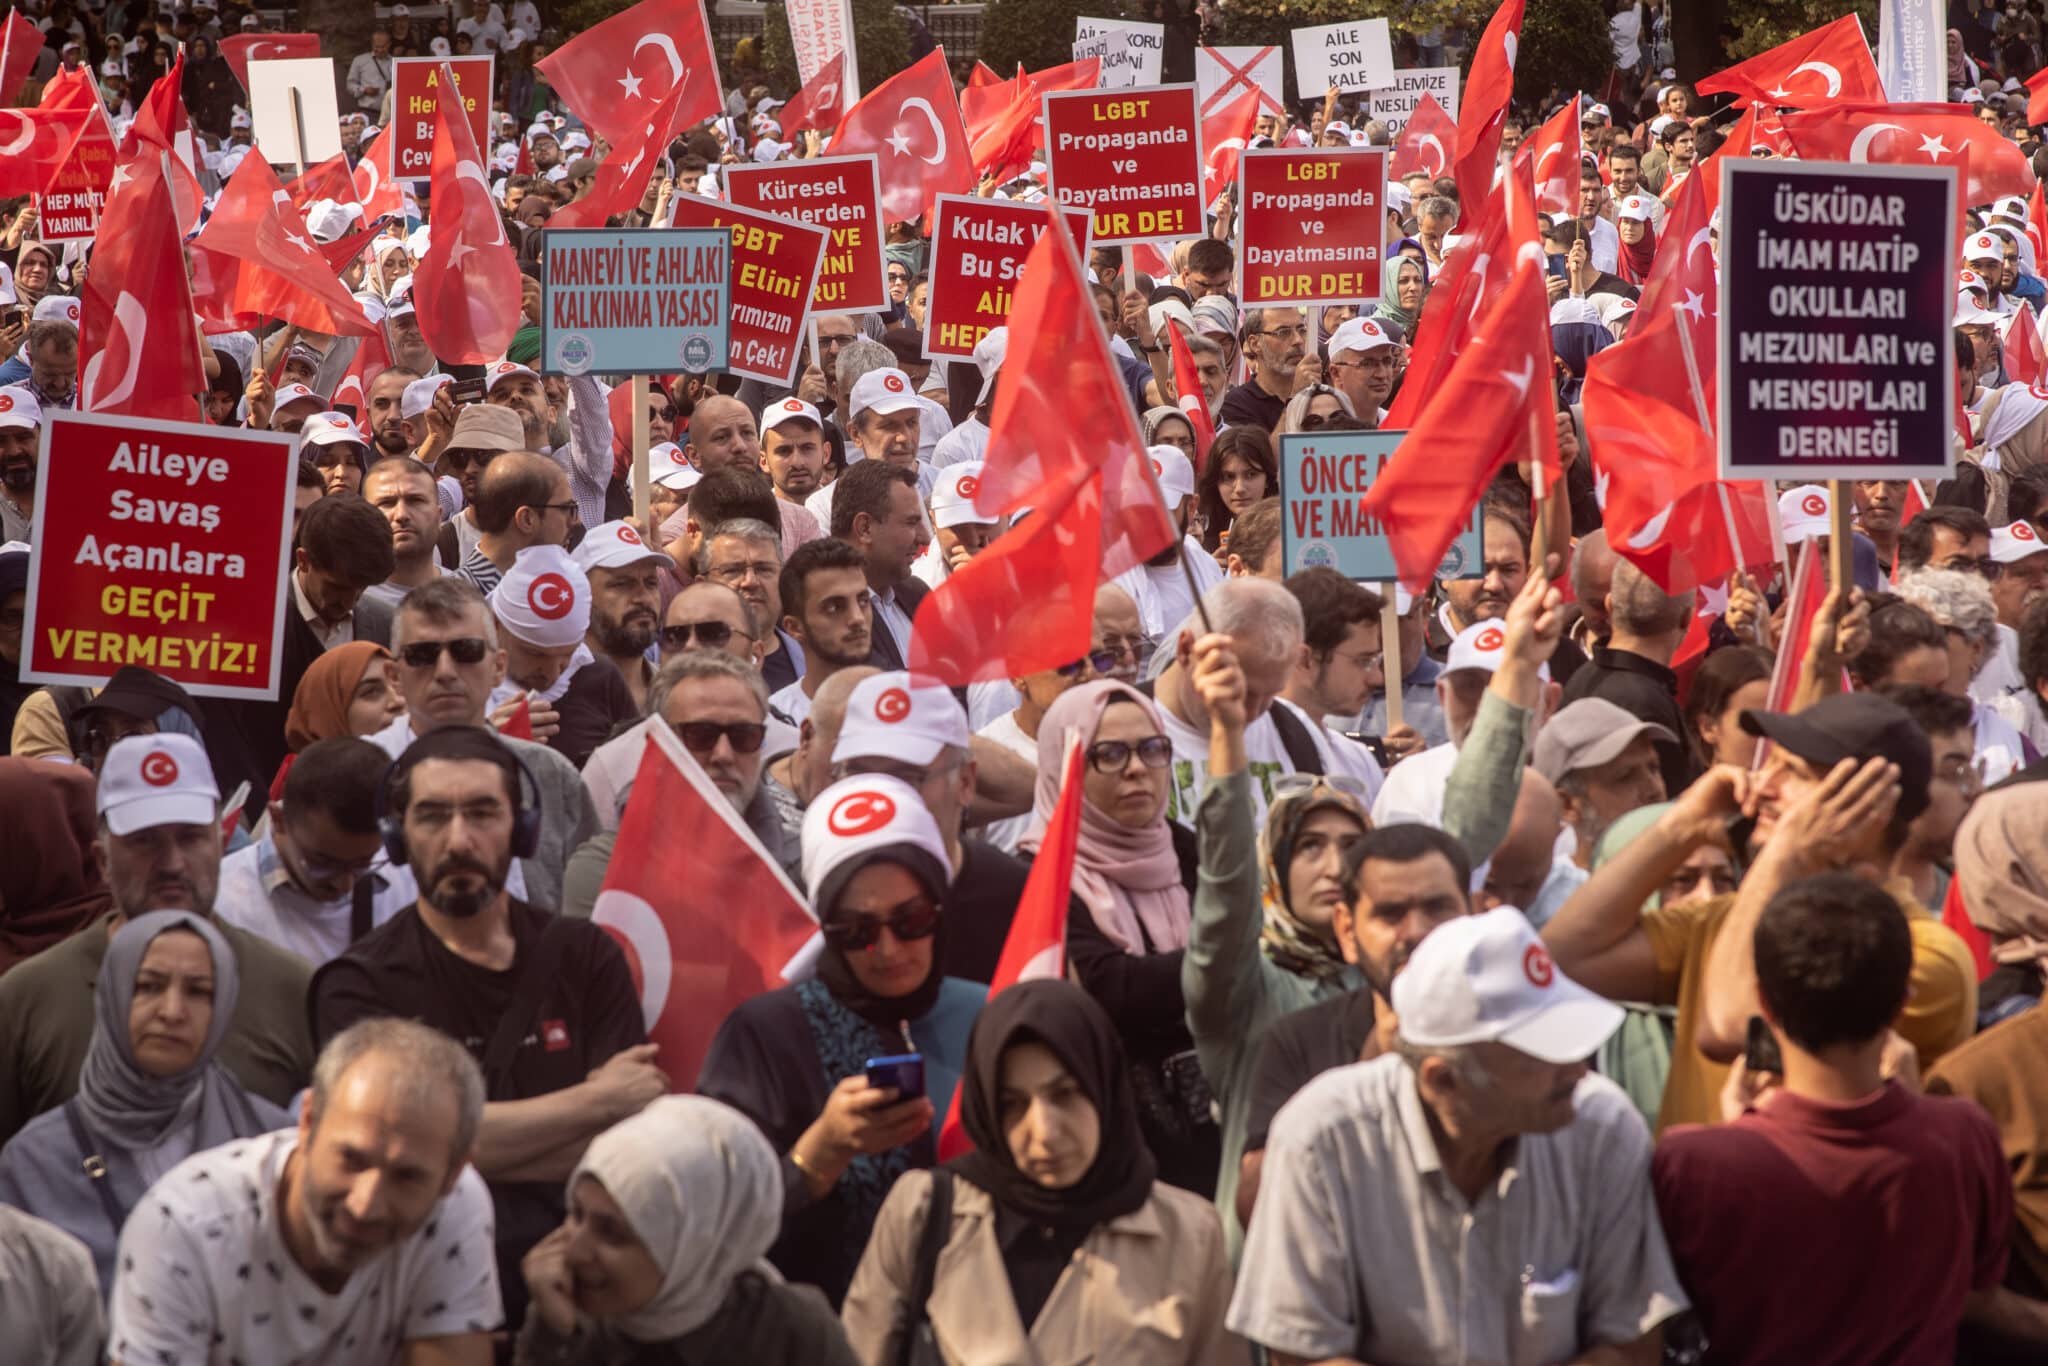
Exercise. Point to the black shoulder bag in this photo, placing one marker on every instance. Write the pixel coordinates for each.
(919, 1346)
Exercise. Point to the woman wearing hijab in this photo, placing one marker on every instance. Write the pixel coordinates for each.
(794, 1060)
(1962, 70)
(1165, 425)
(1404, 280)
(50, 884)
(210, 87)
(660, 1259)
(1635, 223)
(149, 1095)
(350, 690)
(1059, 1204)
(1134, 874)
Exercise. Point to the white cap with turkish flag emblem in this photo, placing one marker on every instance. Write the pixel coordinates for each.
(1176, 473)
(667, 466)
(953, 493)
(859, 816)
(614, 545)
(1639, 207)
(891, 716)
(887, 390)
(544, 599)
(790, 410)
(57, 308)
(2011, 544)
(1985, 246)
(506, 369)
(18, 408)
(151, 780)
(327, 429)
(1359, 334)
(1804, 512)
(1489, 979)
(295, 393)
(1479, 646)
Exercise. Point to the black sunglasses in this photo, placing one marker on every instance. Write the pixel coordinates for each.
(665, 414)
(425, 654)
(1111, 756)
(1102, 661)
(712, 635)
(701, 737)
(917, 918)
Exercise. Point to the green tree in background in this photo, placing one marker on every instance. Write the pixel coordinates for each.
(1037, 33)
(882, 43)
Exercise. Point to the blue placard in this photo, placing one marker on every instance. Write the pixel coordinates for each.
(1323, 478)
(635, 301)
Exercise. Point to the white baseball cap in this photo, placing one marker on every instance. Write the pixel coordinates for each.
(18, 408)
(858, 816)
(544, 599)
(614, 545)
(2011, 544)
(1637, 206)
(151, 780)
(1489, 979)
(2012, 206)
(1970, 280)
(887, 390)
(1176, 474)
(1970, 312)
(890, 716)
(295, 393)
(1803, 512)
(331, 428)
(989, 354)
(791, 410)
(1360, 334)
(1482, 645)
(419, 394)
(1985, 246)
(506, 369)
(667, 467)
(60, 308)
(952, 500)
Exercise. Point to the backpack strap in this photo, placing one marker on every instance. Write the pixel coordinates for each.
(1302, 754)
(938, 1226)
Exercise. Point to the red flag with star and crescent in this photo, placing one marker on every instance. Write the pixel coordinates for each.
(911, 122)
(1188, 395)
(376, 191)
(137, 349)
(1426, 143)
(256, 259)
(623, 176)
(1225, 131)
(1487, 88)
(822, 101)
(467, 287)
(161, 122)
(21, 42)
(240, 49)
(1553, 152)
(1916, 135)
(1831, 65)
(615, 75)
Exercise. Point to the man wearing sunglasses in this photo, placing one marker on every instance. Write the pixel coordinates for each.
(1276, 347)
(718, 708)
(522, 500)
(709, 616)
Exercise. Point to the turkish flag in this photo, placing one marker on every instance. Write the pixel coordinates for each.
(1553, 152)
(911, 122)
(822, 101)
(1224, 135)
(332, 179)
(1426, 142)
(2037, 98)
(380, 196)
(623, 176)
(2025, 361)
(70, 88)
(137, 349)
(467, 287)
(1001, 122)
(38, 143)
(1037, 943)
(256, 259)
(1188, 396)
(1809, 591)
(607, 78)
(519, 721)
(1497, 404)
(706, 917)
(1025, 603)
(21, 42)
(240, 49)
(372, 358)
(1831, 65)
(1916, 135)
(1487, 88)
(161, 123)
(1058, 364)
(1953, 914)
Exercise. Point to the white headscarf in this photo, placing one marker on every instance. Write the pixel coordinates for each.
(702, 1189)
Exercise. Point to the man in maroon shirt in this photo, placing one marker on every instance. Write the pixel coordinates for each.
(1844, 1218)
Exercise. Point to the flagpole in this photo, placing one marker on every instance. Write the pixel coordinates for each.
(1390, 654)
(1706, 421)
(1841, 548)
(198, 337)
(642, 495)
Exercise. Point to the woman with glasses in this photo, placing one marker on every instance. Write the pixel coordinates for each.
(1134, 876)
(1241, 470)
(796, 1060)
(1168, 426)
(150, 1093)
(1062, 1241)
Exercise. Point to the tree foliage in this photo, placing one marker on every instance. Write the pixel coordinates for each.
(1754, 26)
(1038, 33)
(881, 41)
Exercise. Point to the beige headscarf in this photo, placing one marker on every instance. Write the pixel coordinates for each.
(2001, 852)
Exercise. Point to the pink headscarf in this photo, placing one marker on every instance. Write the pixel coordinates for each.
(1126, 878)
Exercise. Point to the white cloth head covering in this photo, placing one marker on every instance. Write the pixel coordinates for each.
(544, 599)
(703, 1191)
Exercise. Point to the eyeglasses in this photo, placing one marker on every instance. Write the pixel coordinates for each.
(1113, 756)
(701, 737)
(1367, 662)
(1102, 661)
(826, 343)
(1987, 567)
(898, 277)
(1292, 332)
(1315, 422)
(564, 508)
(712, 635)
(764, 570)
(665, 414)
(425, 654)
(915, 919)
(1288, 784)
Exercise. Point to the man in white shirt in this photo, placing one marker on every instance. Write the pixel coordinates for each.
(969, 439)
(1364, 362)
(959, 531)
(827, 607)
(1160, 585)
(1414, 789)
(1335, 672)
(884, 416)
(369, 75)
(363, 1235)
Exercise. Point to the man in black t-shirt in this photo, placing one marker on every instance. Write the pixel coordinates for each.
(545, 1003)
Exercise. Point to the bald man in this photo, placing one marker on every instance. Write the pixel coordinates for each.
(1527, 871)
(722, 434)
(522, 499)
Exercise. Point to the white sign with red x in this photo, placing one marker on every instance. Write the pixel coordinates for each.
(1224, 73)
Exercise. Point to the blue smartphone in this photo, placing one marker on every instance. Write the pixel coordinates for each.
(1557, 268)
(904, 1072)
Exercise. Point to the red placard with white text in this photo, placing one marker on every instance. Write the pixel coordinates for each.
(415, 94)
(1311, 225)
(1132, 156)
(978, 251)
(69, 210)
(163, 544)
(775, 264)
(843, 195)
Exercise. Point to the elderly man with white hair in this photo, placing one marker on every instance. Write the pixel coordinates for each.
(1961, 602)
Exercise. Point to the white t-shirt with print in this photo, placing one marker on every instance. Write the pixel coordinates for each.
(1005, 731)
(204, 1275)
(1265, 759)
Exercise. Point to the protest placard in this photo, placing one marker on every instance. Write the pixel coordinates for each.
(1393, 104)
(1836, 349)
(1323, 478)
(1357, 54)
(293, 116)
(69, 210)
(163, 544)
(843, 195)
(1222, 74)
(1312, 225)
(820, 30)
(1132, 157)
(415, 92)
(635, 301)
(978, 251)
(1132, 53)
(772, 275)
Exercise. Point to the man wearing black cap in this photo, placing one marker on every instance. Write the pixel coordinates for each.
(133, 702)
(1841, 786)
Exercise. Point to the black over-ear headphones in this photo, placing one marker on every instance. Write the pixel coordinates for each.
(460, 742)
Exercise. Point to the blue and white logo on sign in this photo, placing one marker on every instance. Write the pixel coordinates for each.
(1318, 555)
(696, 354)
(574, 354)
(1453, 566)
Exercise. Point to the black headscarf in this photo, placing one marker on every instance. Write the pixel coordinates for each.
(1066, 1020)
(885, 1013)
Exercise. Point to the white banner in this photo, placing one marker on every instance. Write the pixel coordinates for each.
(1222, 74)
(1132, 53)
(1393, 105)
(1912, 50)
(315, 134)
(819, 29)
(1357, 54)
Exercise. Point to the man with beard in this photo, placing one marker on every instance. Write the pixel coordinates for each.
(402, 489)
(625, 601)
(792, 448)
(1504, 550)
(544, 1002)
(158, 849)
(1275, 344)
(1160, 585)
(543, 610)
(723, 436)
(363, 1222)
(21, 421)
(386, 399)
(827, 607)
(408, 347)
